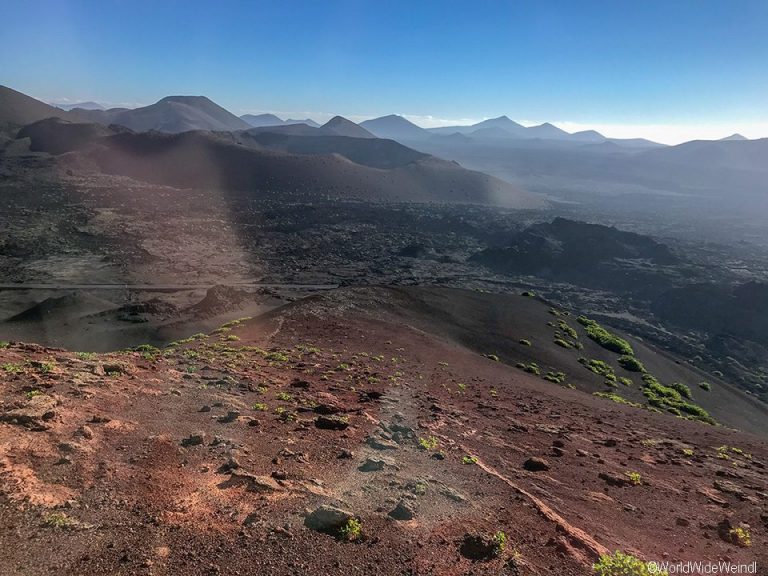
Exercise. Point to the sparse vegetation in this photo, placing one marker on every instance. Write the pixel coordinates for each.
(260, 406)
(58, 520)
(605, 338)
(13, 367)
(32, 393)
(556, 377)
(429, 443)
(352, 530)
(285, 397)
(531, 368)
(670, 398)
(599, 367)
(612, 396)
(741, 537)
(620, 564)
(705, 386)
(634, 478)
(469, 460)
(85, 355)
(499, 543)
(4, 344)
(492, 357)
(631, 364)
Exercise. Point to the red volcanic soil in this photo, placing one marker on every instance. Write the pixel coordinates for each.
(209, 457)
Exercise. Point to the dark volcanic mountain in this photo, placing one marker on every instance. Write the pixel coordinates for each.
(589, 254)
(17, 109)
(373, 152)
(395, 127)
(57, 136)
(180, 114)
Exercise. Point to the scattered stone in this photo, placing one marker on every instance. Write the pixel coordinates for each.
(381, 443)
(536, 465)
(331, 423)
(193, 439)
(252, 482)
(452, 494)
(374, 464)
(229, 465)
(299, 383)
(328, 519)
(682, 522)
(84, 432)
(327, 409)
(205, 408)
(613, 479)
(99, 419)
(346, 454)
(557, 452)
(403, 511)
(33, 415)
(729, 487)
(231, 416)
(478, 547)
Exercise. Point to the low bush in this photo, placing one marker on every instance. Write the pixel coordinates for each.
(605, 338)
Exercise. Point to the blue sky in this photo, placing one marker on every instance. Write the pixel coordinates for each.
(673, 68)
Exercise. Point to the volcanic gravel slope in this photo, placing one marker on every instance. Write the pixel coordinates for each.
(208, 457)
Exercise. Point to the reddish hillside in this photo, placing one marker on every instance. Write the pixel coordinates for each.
(217, 456)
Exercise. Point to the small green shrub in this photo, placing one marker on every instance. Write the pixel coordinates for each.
(260, 406)
(284, 396)
(684, 391)
(531, 368)
(634, 478)
(631, 363)
(469, 460)
(741, 537)
(492, 357)
(705, 386)
(556, 377)
(605, 338)
(429, 443)
(352, 530)
(620, 564)
(499, 543)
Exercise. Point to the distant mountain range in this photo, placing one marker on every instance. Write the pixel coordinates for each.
(80, 105)
(262, 120)
(499, 146)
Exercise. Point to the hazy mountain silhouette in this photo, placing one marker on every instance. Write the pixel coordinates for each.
(732, 154)
(734, 137)
(395, 127)
(80, 105)
(263, 120)
(259, 120)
